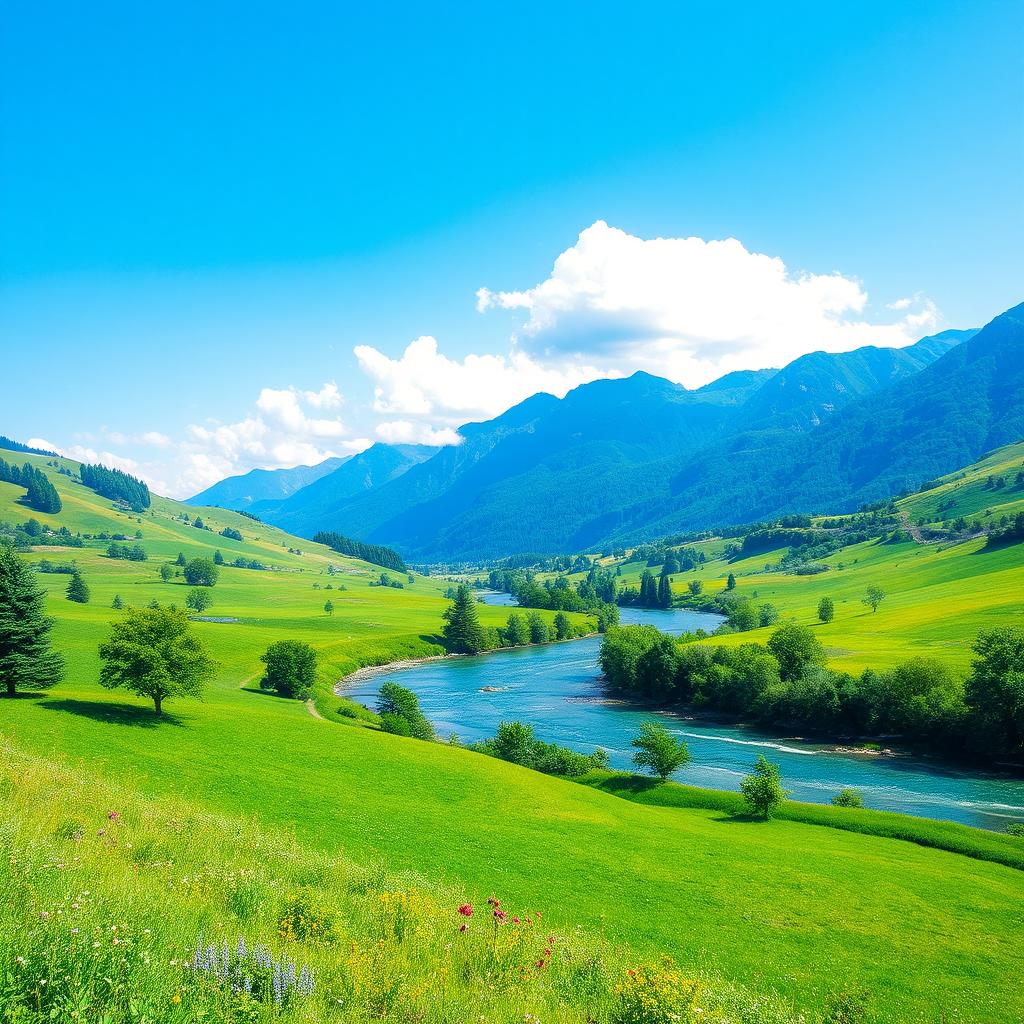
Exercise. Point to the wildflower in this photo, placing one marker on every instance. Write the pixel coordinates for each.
(466, 910)
(499, 915)
(515, 920)
(536, 914)
(114, 816)
(20, 961)
(463, 927)
(540, 965)
(175, 999)
(493, 902)
(43, 915)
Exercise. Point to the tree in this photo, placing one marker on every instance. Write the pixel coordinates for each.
(762, 789)
(648, 590)
(517, 631)
(166, 573)
(826, 609)
(329, 606)
(399, 709)
(730, 582)
(218, 558)
(198, 599)
(664, 592)
(994, 691)
(291, 669)
(117, 603)
(78, 589)
(539, 631)
(795, 647)
(695, 587)
(514, 741)
(462, 632)
(180, 560)
(873, 597)
(658, 750)
(27, 661)
(154, 652)
(201, 572)
(848, 798)
(563, 627)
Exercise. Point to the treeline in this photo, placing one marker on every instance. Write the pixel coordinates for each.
(129, 552)
(16, 446)
(377, 554)
(516, 742)
(24, 535)
(651, 594)
(117, 486)
(786, 684)
(463, 633)
(41, 494)
(594, 593)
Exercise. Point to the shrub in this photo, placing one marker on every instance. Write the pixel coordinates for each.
(848, 798)
(658, 750)
(762, 789)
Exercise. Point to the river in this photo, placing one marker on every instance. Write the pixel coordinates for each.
(556, 688)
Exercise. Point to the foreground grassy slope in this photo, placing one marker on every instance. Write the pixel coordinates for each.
(786, 905)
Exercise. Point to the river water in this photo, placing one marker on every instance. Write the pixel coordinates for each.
(556, 689)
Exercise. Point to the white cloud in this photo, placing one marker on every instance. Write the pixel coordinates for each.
(423, 382)
(285, 406)
(155, 438)
(691, 309)
(899, 304)
(407, 432)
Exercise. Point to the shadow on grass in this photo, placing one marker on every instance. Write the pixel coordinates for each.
(115, 714)
(24, 695)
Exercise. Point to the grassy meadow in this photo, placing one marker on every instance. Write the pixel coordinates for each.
(230, 810)
(938, 595)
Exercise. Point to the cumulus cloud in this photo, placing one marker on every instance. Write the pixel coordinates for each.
(407, 432)
(692, 309)
(424, 382)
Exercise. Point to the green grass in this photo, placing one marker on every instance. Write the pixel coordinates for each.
(786, 906)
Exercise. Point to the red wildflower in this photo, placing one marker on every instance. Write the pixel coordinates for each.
(499, 915)
(114, 816)
(515, 920)
(463, 927)
(466, 910)
(540, 965)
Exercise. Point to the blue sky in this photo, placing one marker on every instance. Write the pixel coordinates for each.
(220, 229)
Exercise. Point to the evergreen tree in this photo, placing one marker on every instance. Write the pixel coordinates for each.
(218, 558)
(648, 590)
(462, 632)
(329, 606)
(664, 592)
(26, 658)
(180, 560)
(730, 583)
(117, 604)
(78, 589)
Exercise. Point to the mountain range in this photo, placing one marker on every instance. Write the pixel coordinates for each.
(621, 460)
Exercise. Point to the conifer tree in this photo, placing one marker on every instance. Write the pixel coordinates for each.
(664, 592)
(78, 589)
(26, 658)
(462, 632)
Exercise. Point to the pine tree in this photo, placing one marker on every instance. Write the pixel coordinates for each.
(180, 560)
(118, 604)
(648, 590)
(218, 558)
(462, 632)
(78, 589)
(26, 658)
(730, 583)
(664, 592)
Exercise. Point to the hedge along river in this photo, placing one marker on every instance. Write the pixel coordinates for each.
(556, 688)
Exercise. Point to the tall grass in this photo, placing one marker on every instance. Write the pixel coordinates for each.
(114, 909)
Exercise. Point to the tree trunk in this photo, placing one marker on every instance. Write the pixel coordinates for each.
(10, 687)
(158, 701)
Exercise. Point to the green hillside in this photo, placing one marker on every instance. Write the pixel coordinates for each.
(233, 805)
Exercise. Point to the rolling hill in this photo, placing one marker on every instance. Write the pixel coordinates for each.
(215, 822)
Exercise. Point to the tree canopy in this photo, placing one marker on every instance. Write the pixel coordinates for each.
(291, 669)
(155, 653)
